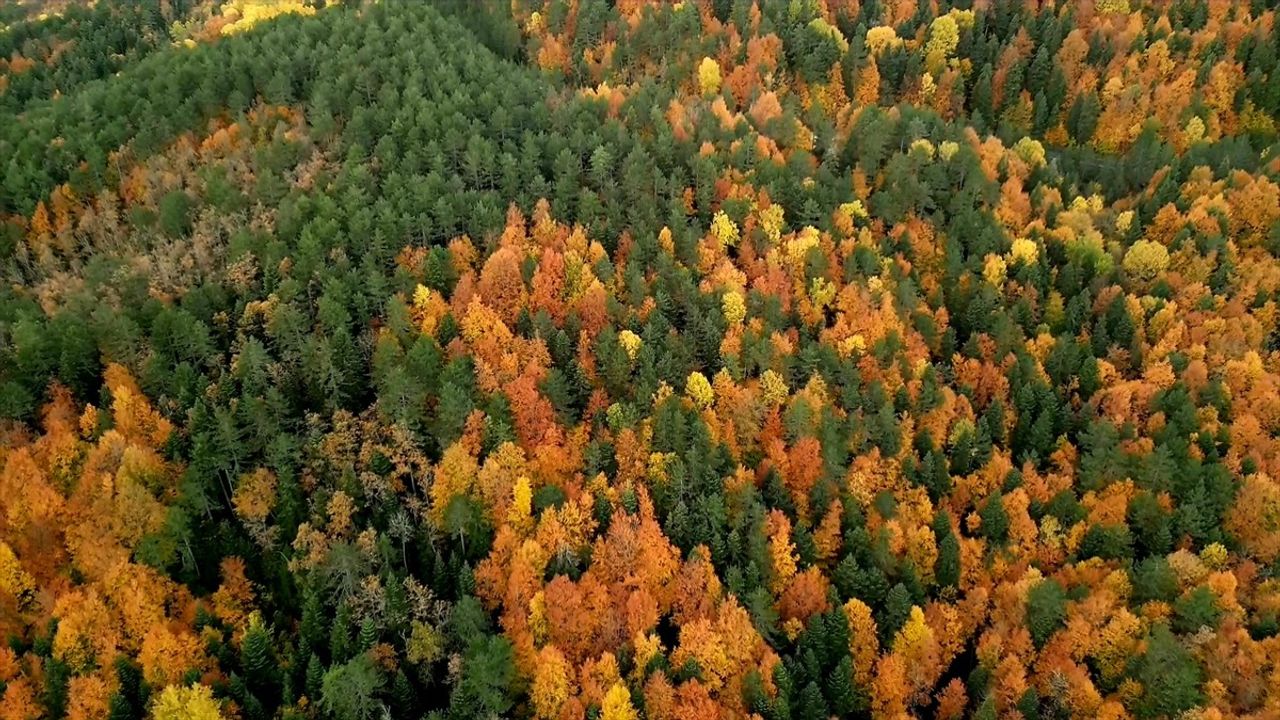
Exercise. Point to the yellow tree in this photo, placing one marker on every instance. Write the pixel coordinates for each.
(864, 644)
(617, 704)
(176, 702)
(551, 683)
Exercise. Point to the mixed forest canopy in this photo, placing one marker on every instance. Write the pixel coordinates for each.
(639, 359)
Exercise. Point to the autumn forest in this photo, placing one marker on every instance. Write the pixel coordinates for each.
(639, 359)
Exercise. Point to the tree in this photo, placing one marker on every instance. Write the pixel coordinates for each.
(488, 675)
(1046, 610)
(349, 691)
(551, 683)
(1146, 260)
(193, 702)
(709, 76)
(995, 520)
(256, 655)
(617, 704)
(175, 214)
(1169, 675)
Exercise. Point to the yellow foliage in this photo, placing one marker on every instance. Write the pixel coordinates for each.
(647, 647)
(924, 147)
(781, 551)
(700, 642)
(773, 388)
(724, 230)
(826, 29)
(1214, 555)
(771, 222)
(550, 686)
(994, 270)
(699, 390)
(856, 210)
(455, 476)
(914, 637)
(13, 579)
(630, 343)
(185, 703)
(1124, 221)
(853, 345)
(617, 704)
(881, 38)
(1024, 250)
(944, 37)
(799, 246)
(86, 633)
(1146, 259)
(1030, 150)
(425, 644)
(248, 13)
(1194, 130)
(734, 307)
(863, 643)
(1112, 6)
(538, 626)
(822, 291)
(429, 308)
(520, 514)
(709, 76)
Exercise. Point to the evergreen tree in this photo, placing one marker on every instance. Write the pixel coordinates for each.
(1169, 675)
(1046, 610)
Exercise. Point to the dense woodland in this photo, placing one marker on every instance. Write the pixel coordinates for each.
(622, 359)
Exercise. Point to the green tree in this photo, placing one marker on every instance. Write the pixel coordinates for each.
(995, 520)
(1046, 610)
(1169, 675)
(350, 691)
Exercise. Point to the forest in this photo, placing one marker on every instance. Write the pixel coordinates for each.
(639, 359)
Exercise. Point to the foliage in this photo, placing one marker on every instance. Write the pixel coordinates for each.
(630, 359)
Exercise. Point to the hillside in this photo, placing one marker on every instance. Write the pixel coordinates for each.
(587, 360)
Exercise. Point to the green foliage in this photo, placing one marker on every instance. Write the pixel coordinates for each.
(350, 691)
(250, 225)
(1169, 675)
(1046, 610)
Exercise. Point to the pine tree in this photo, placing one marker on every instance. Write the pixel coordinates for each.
(311, 629)
(947, 568)
(248, 701)
(315, 677)
(842, 696)
(1046, 610)
(368, 634)
(340, 640)
(57, 675)
(995, 520)
(897, 608)
(256, 656)
(811, 705)
(1169, 675)
(130, 699)
(403, 697)
(121, 709)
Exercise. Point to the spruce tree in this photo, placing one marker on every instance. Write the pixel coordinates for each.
(315, 677)
(368, 634)
(340, 640)
(842, 696)
(257, 658)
